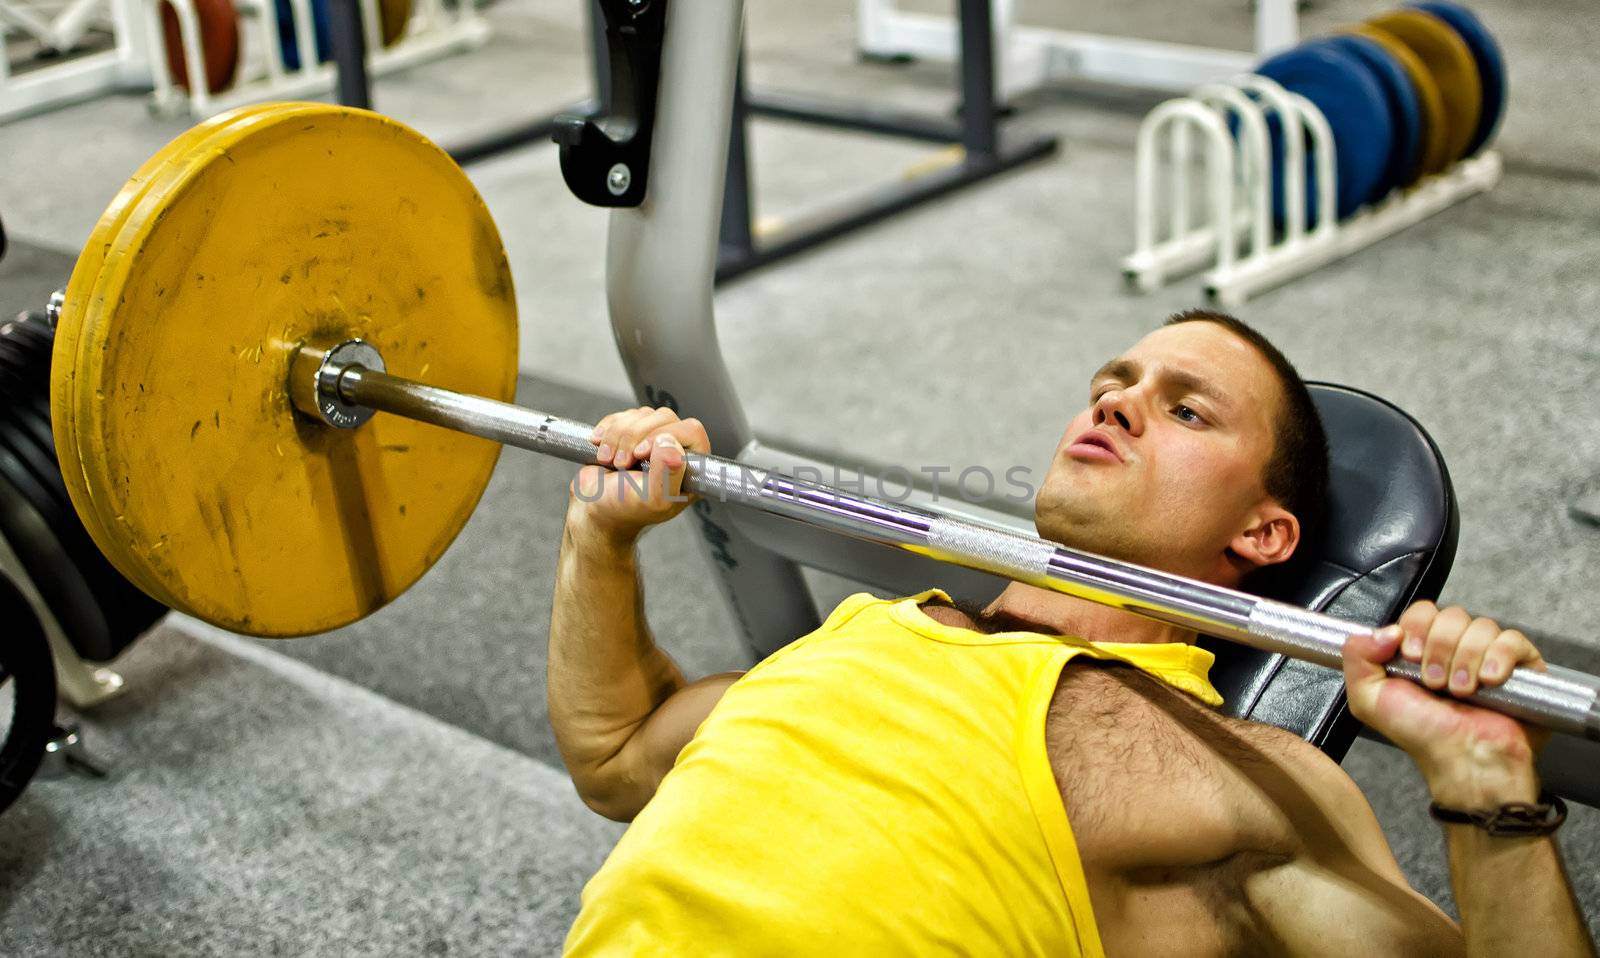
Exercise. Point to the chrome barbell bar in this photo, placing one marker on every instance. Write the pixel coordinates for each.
(342, 385)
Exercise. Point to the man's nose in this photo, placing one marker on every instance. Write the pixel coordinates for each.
(1116, 407)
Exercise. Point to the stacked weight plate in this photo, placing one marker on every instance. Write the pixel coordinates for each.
(393, 15)
(1388, 123)
(221, 38)
(1408, 93)
(98, 610)
(219, 43)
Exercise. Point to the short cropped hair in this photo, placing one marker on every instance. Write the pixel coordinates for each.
(1296, 474)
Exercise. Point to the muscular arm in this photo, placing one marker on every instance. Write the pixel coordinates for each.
(620, 708)
(1514, 897)
(1347, 895)
(1513, 893)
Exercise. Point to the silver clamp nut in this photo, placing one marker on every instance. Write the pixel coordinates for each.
(314, 382)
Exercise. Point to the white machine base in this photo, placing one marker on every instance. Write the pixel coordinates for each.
(1028, 57)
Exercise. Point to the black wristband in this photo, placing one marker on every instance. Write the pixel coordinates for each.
(1513, 819)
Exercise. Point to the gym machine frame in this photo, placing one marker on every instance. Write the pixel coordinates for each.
(662, 256)
(977, 147)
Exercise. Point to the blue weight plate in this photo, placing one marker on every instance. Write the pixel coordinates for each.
(1353, 102)
(1403, 107)
(289, 41)
(1491, 65)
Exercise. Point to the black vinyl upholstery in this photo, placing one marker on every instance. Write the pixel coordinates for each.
(1389, 539)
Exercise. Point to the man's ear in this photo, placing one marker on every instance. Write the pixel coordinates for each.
(1270, 538)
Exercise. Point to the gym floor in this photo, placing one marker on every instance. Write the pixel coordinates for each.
(393, 787)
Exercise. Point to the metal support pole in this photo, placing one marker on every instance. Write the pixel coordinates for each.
(350, 53)
(984, 152)
(331, 388)
(599, 59)
(738, 239)
(660, 263)
(978, 133)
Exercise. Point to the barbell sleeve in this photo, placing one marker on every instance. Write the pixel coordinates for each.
(340, 386)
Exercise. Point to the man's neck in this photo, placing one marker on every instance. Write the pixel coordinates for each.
(1060, 614)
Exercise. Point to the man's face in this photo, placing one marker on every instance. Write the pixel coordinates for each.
(1164, 468)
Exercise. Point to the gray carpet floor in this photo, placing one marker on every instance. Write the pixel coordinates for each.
(260, 807)
(389, 788)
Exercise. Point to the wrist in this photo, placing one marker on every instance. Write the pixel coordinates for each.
(593, 539)
(1471, 785)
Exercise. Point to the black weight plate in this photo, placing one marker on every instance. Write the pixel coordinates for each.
(25, 484)
(25, 656)
(41, 467)
(35, 326)
(34, 415)
(128, 610)
(31, 419)
(17, 369)
(20, 435)
(125, 611)
(25, 350)
(33, 344)
(28, 407)
(95, 632)
(54, 575)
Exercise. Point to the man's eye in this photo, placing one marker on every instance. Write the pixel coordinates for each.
(1187, 414)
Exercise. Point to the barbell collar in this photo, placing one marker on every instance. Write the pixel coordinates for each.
(346, 382)
(314, 382)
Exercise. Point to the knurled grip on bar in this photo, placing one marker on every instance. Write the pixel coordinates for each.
(1002, 552)
(1558, 698)
(1300, 633)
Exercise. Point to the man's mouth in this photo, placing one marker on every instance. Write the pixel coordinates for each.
(1094, 446)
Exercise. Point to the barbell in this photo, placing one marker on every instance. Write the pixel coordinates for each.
(226, 342)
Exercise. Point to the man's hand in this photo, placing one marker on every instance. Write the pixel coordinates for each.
(1471, 757)
(621, 502)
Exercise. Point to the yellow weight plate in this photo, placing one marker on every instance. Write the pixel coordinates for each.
(394, 16)
(1435, 153)
(323, 225)
(1449, 60)
(84, 275)
(84, 393)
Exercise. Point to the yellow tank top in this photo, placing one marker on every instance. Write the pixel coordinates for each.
(878, 787)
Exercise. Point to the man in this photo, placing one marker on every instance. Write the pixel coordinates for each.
(1046, 776)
